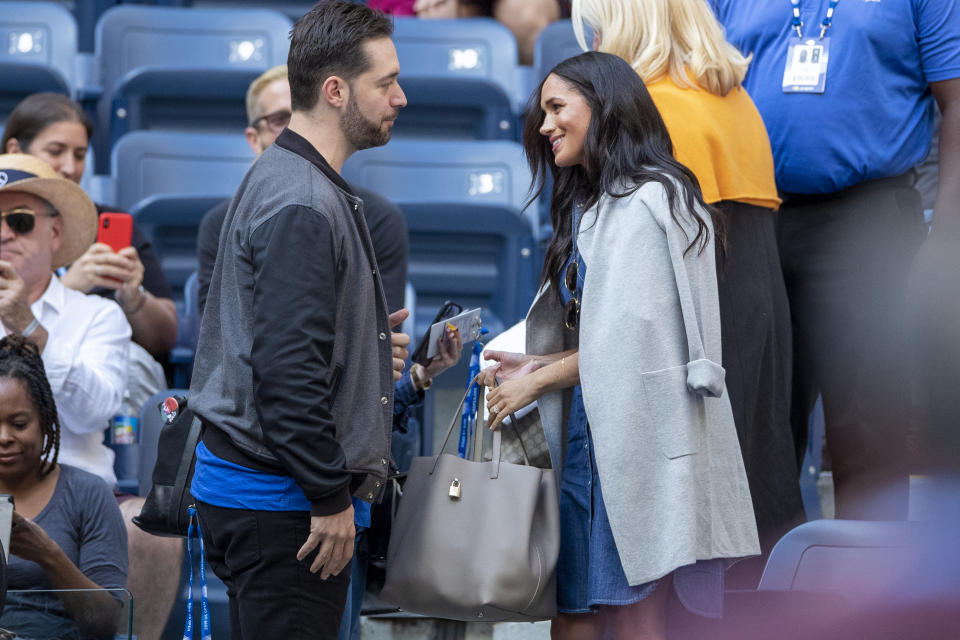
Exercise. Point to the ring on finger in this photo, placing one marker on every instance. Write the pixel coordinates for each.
(494, 410)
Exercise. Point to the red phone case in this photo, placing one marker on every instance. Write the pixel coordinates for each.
(115, 230)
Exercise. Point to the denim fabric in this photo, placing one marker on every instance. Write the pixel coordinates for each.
(589, 572)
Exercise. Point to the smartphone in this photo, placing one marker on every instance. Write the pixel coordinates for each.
(115, 230)
(448, 310)
(6, 522)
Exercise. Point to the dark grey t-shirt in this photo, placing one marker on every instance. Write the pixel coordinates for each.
(84, 520)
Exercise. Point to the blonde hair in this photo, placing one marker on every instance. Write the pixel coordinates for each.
(256, 87)
(679, 37)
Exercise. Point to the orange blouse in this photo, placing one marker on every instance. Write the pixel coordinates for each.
(721, 139)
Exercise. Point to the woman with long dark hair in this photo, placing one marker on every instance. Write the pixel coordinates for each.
(624, 338)
(694, 76)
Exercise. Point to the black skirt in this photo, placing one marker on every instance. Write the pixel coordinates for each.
(757, 355)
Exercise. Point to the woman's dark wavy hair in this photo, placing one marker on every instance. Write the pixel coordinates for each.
(20, 360)
(626, 144)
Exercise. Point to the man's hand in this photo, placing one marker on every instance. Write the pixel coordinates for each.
(335, 535)
(15, 311)
(449, 346)
(399, 342)
(128, 295)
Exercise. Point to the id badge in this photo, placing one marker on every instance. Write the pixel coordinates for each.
(806, 70)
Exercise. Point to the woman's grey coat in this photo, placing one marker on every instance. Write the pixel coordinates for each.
(667, 453)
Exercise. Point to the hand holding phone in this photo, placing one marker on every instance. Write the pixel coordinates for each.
(115, 230)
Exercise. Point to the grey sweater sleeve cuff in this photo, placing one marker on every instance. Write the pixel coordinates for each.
(705, 377)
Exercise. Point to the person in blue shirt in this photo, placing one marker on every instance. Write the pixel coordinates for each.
(847, 91)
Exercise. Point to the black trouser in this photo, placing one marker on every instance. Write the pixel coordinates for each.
(846, 259)
(272, 595)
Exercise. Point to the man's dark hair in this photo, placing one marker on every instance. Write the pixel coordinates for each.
(328, 41)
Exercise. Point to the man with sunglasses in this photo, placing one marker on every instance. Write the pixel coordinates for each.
(46, 222)
(268, 112)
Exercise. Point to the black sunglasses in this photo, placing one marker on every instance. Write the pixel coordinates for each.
(276, 121)
(21, 221)
(571, 313)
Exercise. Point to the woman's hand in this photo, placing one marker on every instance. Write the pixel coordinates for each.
(509, 366)
(509, 397)
(29, 541)
(99, 266)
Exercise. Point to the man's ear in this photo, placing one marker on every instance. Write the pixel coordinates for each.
(253, 139)
(56, 233)
(13, 146)
(335, 91)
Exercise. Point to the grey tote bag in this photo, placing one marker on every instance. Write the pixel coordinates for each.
(475, 540)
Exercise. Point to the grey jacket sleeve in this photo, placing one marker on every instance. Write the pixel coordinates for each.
(294, 376)
(701, 310)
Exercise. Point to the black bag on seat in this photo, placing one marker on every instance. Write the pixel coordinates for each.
(164, 512)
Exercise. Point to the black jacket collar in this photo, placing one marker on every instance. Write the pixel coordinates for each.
(292, 141)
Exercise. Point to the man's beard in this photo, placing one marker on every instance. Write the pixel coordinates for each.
(360, 132)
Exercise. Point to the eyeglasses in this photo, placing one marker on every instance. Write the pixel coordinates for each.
(276, 121)
(571, 313)
(21, 221)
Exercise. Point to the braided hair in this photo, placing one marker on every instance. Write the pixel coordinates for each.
(20, 360)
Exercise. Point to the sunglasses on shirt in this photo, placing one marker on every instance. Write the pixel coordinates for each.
(571, 313)
(21, 221)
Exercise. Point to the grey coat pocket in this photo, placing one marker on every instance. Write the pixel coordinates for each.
(677, 413)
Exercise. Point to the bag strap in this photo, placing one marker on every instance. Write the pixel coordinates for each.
(478, 443)
(189, 632)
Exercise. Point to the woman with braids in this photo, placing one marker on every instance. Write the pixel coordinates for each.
(624, 338)
(67, 530)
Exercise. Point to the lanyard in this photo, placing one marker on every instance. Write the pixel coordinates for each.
(472, 402)
(797, 24)
(188, 630)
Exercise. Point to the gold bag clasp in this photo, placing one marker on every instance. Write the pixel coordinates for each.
(455, 489)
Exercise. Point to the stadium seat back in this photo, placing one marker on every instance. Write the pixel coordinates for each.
(555, 44)
(469, 241)
(860, 560)
(182, 69)
(460, 77)
(39, 44)
(168, 181)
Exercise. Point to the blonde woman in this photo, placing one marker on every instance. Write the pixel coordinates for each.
(694, 77)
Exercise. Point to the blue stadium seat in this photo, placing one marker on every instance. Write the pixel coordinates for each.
(461, 79)
(182, 69)
(39, 44)
(468, 239)
(188, 328)
(856, 559)
(555, 44)
(169, 180)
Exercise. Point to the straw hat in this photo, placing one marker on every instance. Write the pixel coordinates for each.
(27, 174)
